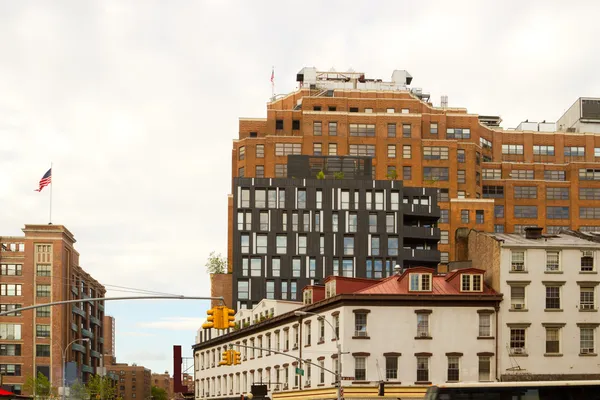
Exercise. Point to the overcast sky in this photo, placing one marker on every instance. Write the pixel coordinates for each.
(137, 104)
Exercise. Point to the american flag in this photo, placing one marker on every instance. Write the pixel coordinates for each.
(45, 181)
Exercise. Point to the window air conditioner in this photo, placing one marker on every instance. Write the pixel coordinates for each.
(518, 306)
(307, 382)
(423, 334)
(518, 350)
(587, 351)
(285, 386)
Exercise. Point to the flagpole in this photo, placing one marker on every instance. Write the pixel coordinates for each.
(51, 185)
(273, 83)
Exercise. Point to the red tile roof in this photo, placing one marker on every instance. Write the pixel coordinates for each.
(441, 284)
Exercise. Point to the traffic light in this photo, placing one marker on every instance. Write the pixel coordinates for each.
(228, 316)
(215, 317)
(381, 390)
(226, 358)
(237, 357)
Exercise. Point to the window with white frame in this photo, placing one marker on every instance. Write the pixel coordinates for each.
(453, 368)
(360, 368)
(360, 324)
(552, 261)
(391, 367)
(485, 324)
(321, 330)
(552, 339)
(484, 368)
(552, 297)
(471, 283)
(587, 334)
(420, 282)
(517, 297)
(422, 368)
(517, 260)
(587, 261)
(517, 340)
(423, 324)
(586, 298)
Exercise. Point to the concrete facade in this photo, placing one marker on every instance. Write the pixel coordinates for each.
(42, 267)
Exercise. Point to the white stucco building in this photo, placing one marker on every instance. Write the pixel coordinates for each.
(549, 317)
(408, 330)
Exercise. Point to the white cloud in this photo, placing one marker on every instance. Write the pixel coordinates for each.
(174, 323)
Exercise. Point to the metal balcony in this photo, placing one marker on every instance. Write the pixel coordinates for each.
(421, 210)
(87, 333)
(421, 255)
(419, 232)
(79, 347)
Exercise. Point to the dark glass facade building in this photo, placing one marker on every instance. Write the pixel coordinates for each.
(292, 232)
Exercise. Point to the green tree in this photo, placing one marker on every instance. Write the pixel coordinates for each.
(159, 393)
(216, 264)
(100, 387)
(40, 386)
(321, 175)
(78, 391)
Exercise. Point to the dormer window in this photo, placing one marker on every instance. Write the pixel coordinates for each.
(470, 283)
(330, 289)
(420, 282)
(308, 296)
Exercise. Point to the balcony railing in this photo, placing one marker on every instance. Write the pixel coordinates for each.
(79, 347)
(419, 232)
(422, 255)
(94, 320)
(87, 333)
(78, 311)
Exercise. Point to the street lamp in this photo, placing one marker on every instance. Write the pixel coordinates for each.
(339, 350)
(64, 364)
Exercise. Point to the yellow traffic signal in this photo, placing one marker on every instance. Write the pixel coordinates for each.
(226, 358)
(228, 318)
(214, 319)
(237, 357)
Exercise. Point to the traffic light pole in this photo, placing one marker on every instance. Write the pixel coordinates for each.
(97, 299)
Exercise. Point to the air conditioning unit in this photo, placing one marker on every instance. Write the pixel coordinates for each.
(321, 339)
(277, 389)
(307, 382)
(587, 351)
(587, 306)
(518, 306)
(360, 333)
(517, 350)
(423, 334)
(295, 346)
(518, 267)
(285, 386)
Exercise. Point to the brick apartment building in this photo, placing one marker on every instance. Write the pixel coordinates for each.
(43, 267)
(165, 382)
(133, 381)
(490, 179)
(109, 339)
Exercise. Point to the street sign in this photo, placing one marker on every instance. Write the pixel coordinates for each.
(348, 378)
(299, 371)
